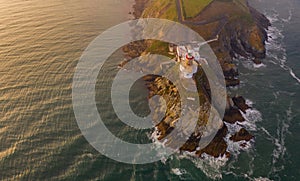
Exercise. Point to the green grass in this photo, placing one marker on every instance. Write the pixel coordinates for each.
(191, 8)
(165, 9)
(159, 47)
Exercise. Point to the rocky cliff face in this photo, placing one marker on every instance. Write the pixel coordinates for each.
(241, 30)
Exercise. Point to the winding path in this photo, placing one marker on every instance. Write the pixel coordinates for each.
(223, 20)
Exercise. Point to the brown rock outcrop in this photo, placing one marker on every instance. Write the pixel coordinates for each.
(243, 134)
(233, 115)
(217, 147)
(240, 102)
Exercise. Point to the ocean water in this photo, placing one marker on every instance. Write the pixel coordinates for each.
(41, 43)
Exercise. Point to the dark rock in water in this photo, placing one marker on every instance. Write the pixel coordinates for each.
(243, 145)
(230, 70)
(243, 134)
(240, 102)
(232, 82)
(164, 129)
(191, 144)
(217, 147)
(233, 115)
(257, 61)
(227, 154)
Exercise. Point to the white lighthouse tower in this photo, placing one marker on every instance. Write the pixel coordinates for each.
(188, 66)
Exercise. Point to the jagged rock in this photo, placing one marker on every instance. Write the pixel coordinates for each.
(240, 102)
(164, 129)
(217, 147)
(191, 144)
(233, 115)
(243, 134)
(232, 82)
(257, 61)
(253, 42)
(230, 70)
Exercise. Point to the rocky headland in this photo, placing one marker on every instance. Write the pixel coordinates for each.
(241, 32)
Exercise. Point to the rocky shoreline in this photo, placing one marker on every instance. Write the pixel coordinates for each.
(243, 34)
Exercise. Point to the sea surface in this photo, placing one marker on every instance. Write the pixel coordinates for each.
(40, 45)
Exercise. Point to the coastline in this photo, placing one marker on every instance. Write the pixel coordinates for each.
(251, 47)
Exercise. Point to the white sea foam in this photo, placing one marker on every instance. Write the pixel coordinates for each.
(252, 66)
(289, 18)
(269, 136)
(234, 148)
(282, 129)
(210, 165)
(275, 45)
(159, 145)
(262, 179)
(293, 74)
(259, 65)
(182, 174)
(251, 116)
(249, 102)
(178, 171)
(277, 52)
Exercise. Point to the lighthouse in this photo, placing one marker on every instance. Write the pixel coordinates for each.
(188, 66)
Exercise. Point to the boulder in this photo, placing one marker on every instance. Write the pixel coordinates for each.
(232, 82)
(257, 61)
(233, 115)
(243, 134)
(217, 147)
(240, 102)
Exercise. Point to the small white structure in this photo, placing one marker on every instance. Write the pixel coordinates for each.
(188, 66)
(188, 55)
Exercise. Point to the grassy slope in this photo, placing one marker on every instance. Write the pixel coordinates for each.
(165, 9)
(236, 10)
(191, 8)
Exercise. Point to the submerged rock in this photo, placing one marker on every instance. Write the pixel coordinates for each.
(257, 61)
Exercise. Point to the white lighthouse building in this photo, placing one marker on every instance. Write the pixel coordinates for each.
(188, 66)
(186, 58)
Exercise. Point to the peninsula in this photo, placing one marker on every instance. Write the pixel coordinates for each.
(241, 32)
